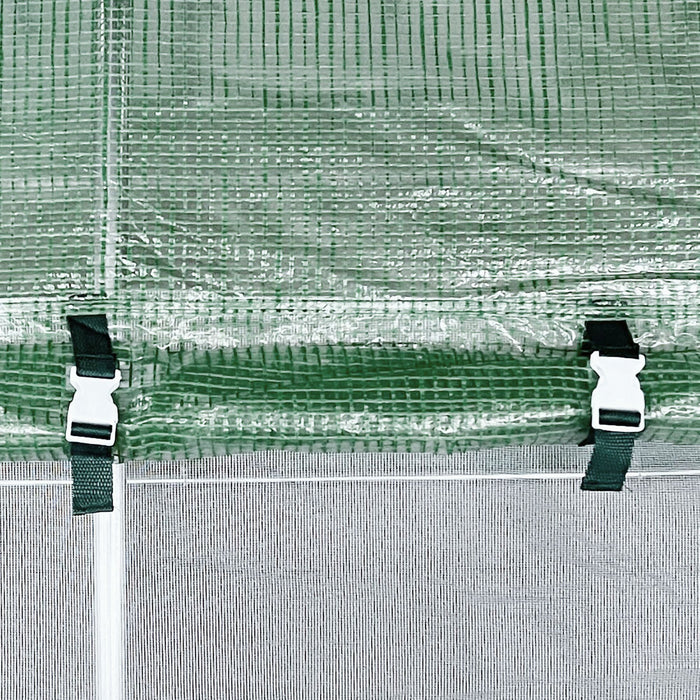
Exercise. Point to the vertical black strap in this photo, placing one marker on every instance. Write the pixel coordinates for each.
(612, 451)
(610, 461)
(610, 338)
(92, 478)
(91, 465)
(92, 346)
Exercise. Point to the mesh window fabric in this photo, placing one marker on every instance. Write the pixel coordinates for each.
(274, 575)
(411, 590)
(347, 225)
(46, 605)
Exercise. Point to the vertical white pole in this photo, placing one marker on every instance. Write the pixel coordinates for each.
(109, 594)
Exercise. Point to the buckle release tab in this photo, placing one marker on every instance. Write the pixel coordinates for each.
(617, 402)
(92, 414)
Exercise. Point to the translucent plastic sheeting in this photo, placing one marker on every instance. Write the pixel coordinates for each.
(347, 225)
(183, 403)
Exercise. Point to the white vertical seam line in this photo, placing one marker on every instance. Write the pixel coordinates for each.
(108, 576)
(102, 149)
(110, 257)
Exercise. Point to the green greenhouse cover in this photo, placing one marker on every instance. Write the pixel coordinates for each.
(347, 224)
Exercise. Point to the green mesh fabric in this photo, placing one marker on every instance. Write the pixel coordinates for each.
(347, 224)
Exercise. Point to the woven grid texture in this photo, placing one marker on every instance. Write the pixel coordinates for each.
(347, 224)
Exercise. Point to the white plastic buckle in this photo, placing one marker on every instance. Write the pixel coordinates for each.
(618, 389)
(93, 409)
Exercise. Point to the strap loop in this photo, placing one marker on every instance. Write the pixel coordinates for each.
(92, 416)
(617, 403)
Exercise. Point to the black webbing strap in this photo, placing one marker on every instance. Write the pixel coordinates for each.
(92, 346)
(612, 451)
(611, 338)
(611, 458)
(91, 464)
(92, 478)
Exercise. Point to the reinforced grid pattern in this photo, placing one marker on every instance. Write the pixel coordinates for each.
(309, 190)
(186, 404)
(489, 589)
(51, 119)
(420, 149)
